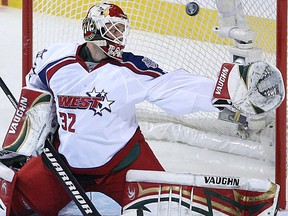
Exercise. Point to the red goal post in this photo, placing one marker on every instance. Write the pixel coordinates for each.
(188, 38)
(281, 112)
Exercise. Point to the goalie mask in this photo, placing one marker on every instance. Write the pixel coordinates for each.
(107, 26)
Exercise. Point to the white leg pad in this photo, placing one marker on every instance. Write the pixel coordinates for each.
(3, 209)
(183, 194)
(6, 173)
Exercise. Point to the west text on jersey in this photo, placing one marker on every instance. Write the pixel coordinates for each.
(77, 102)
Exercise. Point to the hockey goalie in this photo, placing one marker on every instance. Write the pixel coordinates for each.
(92, 89)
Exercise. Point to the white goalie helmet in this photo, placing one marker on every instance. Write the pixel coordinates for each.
(107, 26)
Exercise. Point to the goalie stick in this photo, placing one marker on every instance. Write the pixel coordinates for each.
(57, 165)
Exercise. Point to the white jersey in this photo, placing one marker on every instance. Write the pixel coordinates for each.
(96, 108)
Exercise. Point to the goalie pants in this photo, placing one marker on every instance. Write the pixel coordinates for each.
(38, 189)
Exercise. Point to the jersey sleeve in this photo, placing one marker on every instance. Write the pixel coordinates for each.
(180, 92)
(142, 66)
(36, 77)
(177, 92)
(33, 78)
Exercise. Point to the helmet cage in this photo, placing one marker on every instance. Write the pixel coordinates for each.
(116, 32)
(98, 29)
(107, 26)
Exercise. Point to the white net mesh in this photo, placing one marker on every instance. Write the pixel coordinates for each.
(162, 31)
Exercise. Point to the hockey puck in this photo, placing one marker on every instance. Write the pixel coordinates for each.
(192, 8)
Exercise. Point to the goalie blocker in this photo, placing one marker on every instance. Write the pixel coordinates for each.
(33, 120)
(251, 89)
(164, 193)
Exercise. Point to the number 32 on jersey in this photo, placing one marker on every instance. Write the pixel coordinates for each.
(67, 121)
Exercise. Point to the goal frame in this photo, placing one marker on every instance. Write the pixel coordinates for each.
(281, 119)
(281, 63)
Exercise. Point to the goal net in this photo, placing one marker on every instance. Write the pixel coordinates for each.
(164, 32)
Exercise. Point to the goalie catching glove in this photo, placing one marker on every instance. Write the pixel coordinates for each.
(33, 120)
(251, 89)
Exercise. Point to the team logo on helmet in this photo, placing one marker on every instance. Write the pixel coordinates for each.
(115, 51)
(105, 11)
